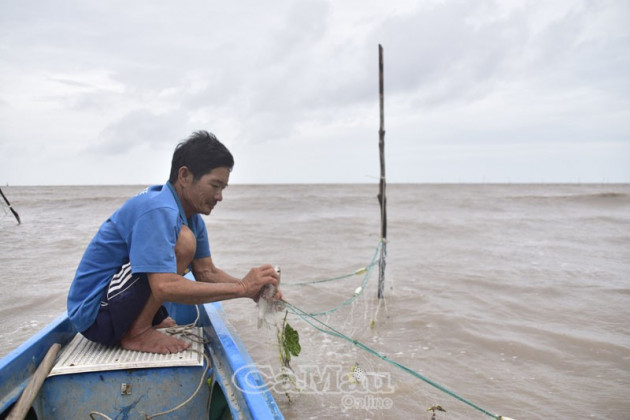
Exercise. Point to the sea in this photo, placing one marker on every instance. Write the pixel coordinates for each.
(499, 299)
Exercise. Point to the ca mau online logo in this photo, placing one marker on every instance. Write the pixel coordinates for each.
(311, 379)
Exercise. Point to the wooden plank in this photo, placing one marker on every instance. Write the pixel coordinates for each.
(32, 389)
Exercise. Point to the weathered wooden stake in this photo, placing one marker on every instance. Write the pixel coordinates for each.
(6, 200)
(381, 194)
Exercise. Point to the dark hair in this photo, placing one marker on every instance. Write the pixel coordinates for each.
(200, 153)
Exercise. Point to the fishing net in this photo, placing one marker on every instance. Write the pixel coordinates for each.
(343, 365)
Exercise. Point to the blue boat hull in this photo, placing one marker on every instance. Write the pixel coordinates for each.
(239, 389)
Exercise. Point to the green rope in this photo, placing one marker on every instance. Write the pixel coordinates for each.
(331, 331)
(345, 276)
(367, 270)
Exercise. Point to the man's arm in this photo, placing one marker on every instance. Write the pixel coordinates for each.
(171, 287)
(205, 270)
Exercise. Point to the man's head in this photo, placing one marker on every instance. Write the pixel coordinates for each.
(200, 171)
(200, 153)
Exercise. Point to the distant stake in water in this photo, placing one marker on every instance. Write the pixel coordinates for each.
(6, 200)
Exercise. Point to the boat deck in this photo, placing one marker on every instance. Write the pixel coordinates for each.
(82, 355)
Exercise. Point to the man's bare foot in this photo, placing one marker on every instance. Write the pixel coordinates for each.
(153, 341)
(168, 322)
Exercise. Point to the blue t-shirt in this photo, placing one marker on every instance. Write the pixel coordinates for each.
(143, 232)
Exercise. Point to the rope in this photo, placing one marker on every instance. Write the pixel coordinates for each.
(358, 291)
(327, 329)
(357, 272)
(345, 276)
(194, 394)
(186, 330)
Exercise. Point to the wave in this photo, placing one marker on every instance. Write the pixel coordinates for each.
(594, 199)
(605, 196)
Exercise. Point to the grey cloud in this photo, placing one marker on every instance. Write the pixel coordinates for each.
(569, 54)
(458, 72)
(303, 26)
(139, 128)
(445, 56)
(442, 55)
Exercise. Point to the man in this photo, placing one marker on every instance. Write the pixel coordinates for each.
(136, 260)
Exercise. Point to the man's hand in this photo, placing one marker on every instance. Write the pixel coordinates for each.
(258, 277)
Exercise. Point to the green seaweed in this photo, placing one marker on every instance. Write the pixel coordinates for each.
(289, 345)
(290, 342)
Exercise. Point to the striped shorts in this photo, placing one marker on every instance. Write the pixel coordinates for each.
(121, 304)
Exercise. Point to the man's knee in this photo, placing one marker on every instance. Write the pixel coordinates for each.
(185, 248)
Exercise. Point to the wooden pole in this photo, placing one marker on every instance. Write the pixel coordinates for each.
(6, 200)
(20, 410)
(382, 184)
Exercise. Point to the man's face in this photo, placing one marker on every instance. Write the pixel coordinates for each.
(202, 195)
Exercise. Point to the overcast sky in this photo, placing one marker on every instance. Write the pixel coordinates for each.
(100, 92)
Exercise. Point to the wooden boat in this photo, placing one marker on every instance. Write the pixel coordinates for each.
(135, 385)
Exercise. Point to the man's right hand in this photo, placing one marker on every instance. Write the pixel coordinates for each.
(258, 277)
